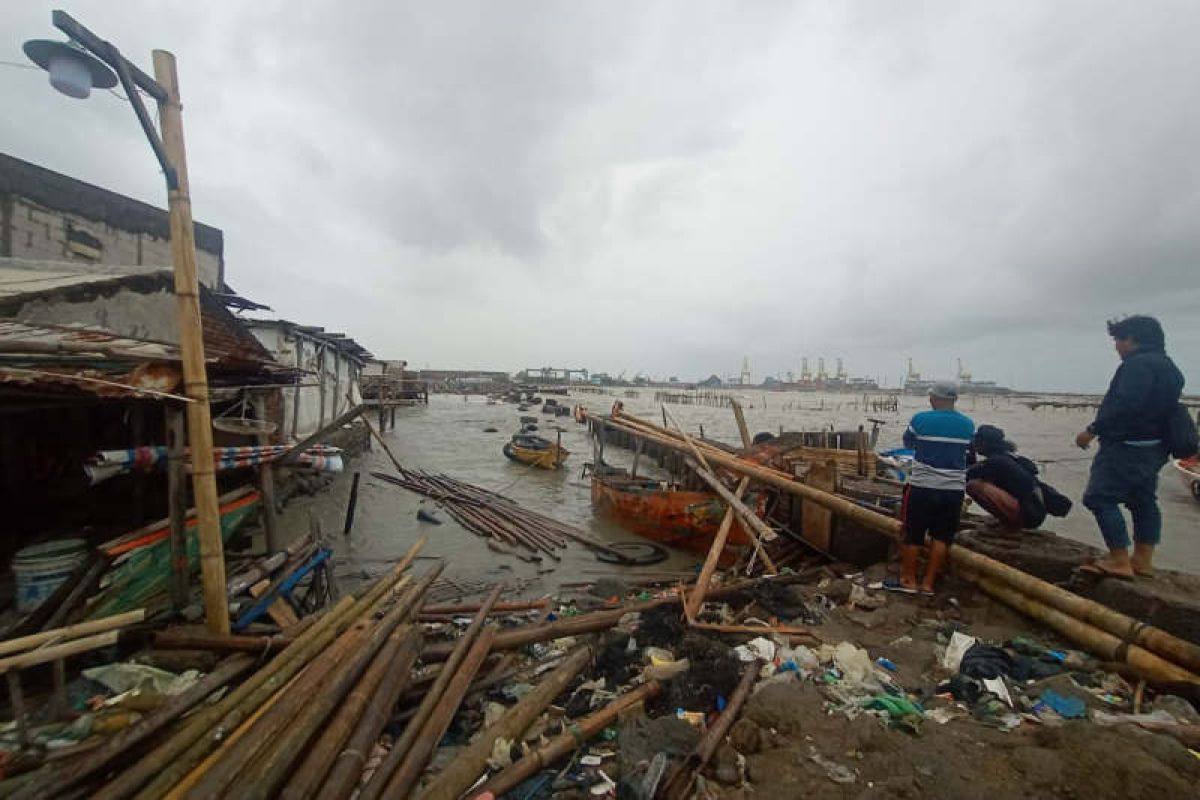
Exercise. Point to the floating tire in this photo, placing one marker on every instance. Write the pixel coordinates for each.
(634, 554)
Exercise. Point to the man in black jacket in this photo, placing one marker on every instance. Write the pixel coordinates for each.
(1004, 483)
(1131, 425)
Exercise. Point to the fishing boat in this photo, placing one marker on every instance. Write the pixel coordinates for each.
(536, 451)
(664, 513)
(1189, 472)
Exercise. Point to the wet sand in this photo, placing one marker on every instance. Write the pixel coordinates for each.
(448, 436)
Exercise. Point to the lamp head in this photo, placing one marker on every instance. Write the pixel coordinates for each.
(73, 70)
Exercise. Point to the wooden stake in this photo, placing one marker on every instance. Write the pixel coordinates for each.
(177, 505)
(191, 345)
(351, 505)
(740, 416)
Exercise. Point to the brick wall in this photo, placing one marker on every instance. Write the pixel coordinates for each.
(35, 232)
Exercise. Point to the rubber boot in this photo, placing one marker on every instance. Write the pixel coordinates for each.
(910, 554)
(1143, 559)
(939, 552)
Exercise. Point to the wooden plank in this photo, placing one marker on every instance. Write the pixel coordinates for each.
(280, 611)
(816, 522)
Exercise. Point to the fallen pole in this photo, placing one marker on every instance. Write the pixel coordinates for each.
(405, 778)
(348, 763)
(695, 599)
(684, 775)
(559, 746)
(756, 529)
(232, 643)
(471, 762)
(463, 648)
(58, 635)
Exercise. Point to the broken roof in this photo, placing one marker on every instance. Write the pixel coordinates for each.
(339, 341)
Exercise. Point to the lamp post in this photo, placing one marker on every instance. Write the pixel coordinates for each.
(75, 67)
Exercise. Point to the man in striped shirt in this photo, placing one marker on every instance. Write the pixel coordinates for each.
(933, 498)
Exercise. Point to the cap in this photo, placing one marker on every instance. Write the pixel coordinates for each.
(945, 390)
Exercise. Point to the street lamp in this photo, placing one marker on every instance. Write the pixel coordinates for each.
(77, 66)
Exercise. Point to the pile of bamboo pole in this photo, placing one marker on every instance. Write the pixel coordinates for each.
(496, 516)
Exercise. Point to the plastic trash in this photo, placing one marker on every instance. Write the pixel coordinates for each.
(666, 670)
(1064, 705)
(959, 644)
(855, 664)
(886, 663)
(833, 770)
(755, 649)
(122, 677)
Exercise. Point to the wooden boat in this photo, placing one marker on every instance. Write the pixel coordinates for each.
(664, 513)
(536, 451)
(1189, 472)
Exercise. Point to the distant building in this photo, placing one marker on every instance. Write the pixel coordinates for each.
(331, 367)
(711, 382)
(47, 216)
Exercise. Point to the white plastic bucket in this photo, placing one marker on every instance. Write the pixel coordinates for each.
(42, 568)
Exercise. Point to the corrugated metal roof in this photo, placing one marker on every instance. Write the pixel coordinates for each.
(144, 381)
(77, 341)
(338, 341)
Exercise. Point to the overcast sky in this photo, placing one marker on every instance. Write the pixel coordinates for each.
(666, 187)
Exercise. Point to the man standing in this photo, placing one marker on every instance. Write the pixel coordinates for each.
(933, 498)
(1131, 424)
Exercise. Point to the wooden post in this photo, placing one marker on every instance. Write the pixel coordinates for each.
(266, 485)
(177, 504)
(740, 416)
(191, 344)
(350, 506)
(137, 432)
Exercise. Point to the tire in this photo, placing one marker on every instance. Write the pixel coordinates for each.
(637, 554)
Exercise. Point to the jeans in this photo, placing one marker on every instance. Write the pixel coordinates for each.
(1126, 474)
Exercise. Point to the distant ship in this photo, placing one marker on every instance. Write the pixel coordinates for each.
(915, 384)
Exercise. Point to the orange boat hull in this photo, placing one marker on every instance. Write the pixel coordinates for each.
(684, 519)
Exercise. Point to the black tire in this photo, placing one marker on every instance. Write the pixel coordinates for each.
(636, 554)
(1196, 489)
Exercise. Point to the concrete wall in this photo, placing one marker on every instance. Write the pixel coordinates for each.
(330, 375)
(138, 315)
(34, 232)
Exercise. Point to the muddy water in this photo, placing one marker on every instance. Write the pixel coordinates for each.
(448, 436)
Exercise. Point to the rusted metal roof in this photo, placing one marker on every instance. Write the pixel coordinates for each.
(75, 342)
(338, 341)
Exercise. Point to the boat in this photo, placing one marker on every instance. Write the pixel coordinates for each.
(662, 512)
(535, 451)
(1189, 472)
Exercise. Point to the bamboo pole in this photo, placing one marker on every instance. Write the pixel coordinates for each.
(291, 745)
(695, 600)
(55, 635)
(757, 530)
(470, 762)
(1100, 642)
(227, 745)
(168, 764)
(191, 346)
(580, 732)
(1124, 628)
(408, 772)
(379, 784)
(347, 767)
(276, 724)
(165, 766)
(100, 758)
(55, 652)
(234, 643)
(680, 782)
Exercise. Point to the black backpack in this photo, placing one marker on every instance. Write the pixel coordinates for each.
(1183, 440)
